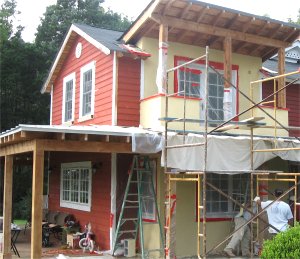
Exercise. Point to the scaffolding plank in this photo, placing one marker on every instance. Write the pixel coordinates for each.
(244, 124)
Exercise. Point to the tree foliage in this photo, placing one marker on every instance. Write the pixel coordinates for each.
(59, 17)
(24, 66)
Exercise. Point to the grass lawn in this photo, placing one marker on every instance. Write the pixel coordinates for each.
(20, 222)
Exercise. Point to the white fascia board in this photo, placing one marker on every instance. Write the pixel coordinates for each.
(98, 45)
(269, 70)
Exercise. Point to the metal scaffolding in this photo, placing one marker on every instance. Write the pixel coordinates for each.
(172, 176)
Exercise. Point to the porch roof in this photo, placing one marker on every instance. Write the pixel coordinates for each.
(91, 138)
(198, 23)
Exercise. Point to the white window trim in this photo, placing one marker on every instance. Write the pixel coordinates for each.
(68, 78)
(76, 205)
(89, 66)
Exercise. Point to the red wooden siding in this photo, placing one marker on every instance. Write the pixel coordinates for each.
(99, 216)
(103, 84)
(292, 103)
(129, 92)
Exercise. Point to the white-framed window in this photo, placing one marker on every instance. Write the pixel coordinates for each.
(68, 98)
(76, 185)
(148, 194)
(87, 91)
(236, 186)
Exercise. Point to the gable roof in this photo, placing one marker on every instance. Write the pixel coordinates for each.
(292, 62)
(107, 38)
(202, 24)
(103, 39)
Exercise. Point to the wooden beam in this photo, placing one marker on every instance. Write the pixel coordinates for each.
(85, 146)
(167, 6)
(23, 147)
(227, 60)
(37, 201)
(136, 26)
(7, 206)
(222, 32)
(162, 58)
(281, 81)
(202, 13)
(183, 13)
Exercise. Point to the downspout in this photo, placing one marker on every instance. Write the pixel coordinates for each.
(113, 198)
(114, 122)
(114, 116)
(51, 104)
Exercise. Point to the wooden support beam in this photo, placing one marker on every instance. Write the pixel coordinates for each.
(162, 58)
(227, 60)
(136, 26)
(281, 81)
(85, 146)
(183, 13)
(167, 6)
(7, 206)
(37, 201)
(17, 148)
(211, 30)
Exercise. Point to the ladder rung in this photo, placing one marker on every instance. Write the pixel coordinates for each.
(132, 194)
(200, 207)
(200, 235)
(127, 219)
(131, 207)
(127, 231)
(131, 201)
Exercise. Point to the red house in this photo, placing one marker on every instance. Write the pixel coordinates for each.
(107, 104)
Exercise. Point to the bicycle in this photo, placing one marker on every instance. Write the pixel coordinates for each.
(87, 241)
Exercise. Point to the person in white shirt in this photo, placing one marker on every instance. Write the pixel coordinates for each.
(279, 213)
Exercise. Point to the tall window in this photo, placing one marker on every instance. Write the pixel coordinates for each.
(192, 79)
(237, 186)
(189, 79)
(148, 197)
(68, 98)
(76, 186)
(87, 89)
(215, 97)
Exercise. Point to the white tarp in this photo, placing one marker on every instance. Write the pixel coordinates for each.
(224, 152)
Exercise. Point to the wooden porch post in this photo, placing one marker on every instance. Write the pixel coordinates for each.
(37, 201)
(281, 81)
(7, 206)
(228, 99)
(227, 60)
(161, 77)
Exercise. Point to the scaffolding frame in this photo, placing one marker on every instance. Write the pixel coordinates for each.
(199, 177)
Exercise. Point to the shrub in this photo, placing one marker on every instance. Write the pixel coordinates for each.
(284, 245)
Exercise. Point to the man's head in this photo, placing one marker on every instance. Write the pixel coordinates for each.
(278, 192)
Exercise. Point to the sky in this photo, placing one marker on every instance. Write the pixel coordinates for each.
(279, 10)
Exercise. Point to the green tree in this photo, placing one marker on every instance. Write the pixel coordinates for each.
(59, 17)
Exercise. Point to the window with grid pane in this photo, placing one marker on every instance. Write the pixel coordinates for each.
(68, 98)
(189, 80)
(76, 185)
(236, 186)
(215, 97)
(87, 93)
(87, 90)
